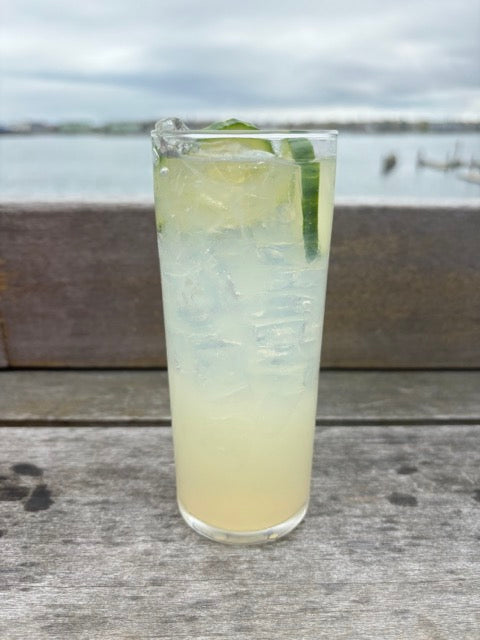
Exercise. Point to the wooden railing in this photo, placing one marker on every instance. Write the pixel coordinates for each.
(80, 287)
(91, 541)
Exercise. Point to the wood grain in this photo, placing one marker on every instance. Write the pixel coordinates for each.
(3, 286)
(141, 397)
(82, 287)
(3, 352)
(388, 550)
(404, 288)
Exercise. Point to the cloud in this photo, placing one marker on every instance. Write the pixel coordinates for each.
(127, 59)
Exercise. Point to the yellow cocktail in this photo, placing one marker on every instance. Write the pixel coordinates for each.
(244, 221)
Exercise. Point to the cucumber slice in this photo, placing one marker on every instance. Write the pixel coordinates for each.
(301, 150)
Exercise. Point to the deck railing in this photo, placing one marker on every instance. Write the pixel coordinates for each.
(80, 287)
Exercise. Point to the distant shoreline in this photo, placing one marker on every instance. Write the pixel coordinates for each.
(144, 127)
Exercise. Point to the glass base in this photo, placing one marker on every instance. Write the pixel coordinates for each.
(243, 537)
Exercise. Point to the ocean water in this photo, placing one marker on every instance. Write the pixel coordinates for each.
(96, 167)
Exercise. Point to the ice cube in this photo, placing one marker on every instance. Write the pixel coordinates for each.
(168, 125)
(170, 146)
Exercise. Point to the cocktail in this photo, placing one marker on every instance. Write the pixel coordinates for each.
(244, 220)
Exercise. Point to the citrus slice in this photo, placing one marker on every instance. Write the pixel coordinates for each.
(229, 182)
(226, 145)
(195, 192)
(231, 123)
(301, 150)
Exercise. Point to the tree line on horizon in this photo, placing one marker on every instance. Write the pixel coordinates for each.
(144, 127)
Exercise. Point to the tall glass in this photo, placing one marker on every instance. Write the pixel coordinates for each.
(244, 221)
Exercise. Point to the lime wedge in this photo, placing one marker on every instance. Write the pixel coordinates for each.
(301, 150)
(197, 192)
(232, 124)
(230, 182)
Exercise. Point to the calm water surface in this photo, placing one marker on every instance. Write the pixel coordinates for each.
(98, 167)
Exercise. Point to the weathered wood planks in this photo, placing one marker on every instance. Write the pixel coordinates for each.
(3, 286)
(404, 287)
(3, 354)
(81, 286)
(136, 397)
(388, 550)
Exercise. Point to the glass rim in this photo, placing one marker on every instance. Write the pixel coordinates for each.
(261, 134)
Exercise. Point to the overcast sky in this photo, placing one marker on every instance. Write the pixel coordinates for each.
(142, 59)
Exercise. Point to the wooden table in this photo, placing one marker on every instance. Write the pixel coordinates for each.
(92, 545)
